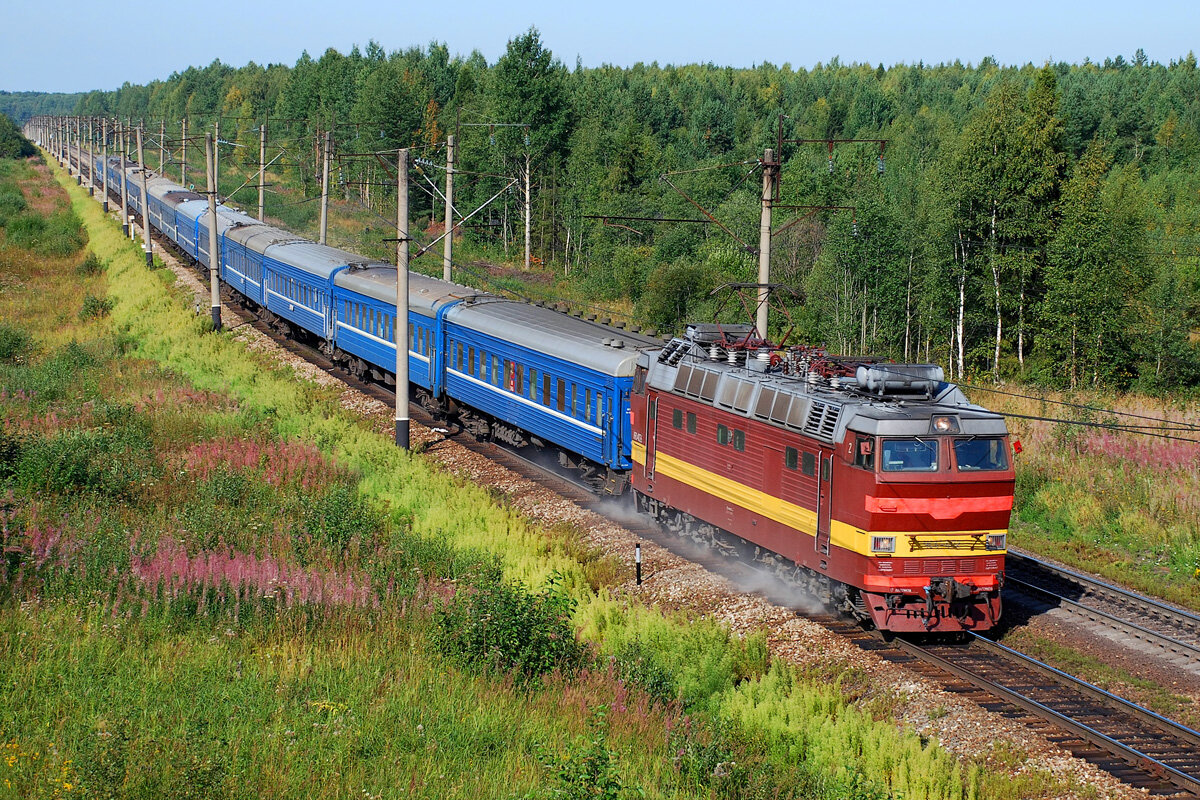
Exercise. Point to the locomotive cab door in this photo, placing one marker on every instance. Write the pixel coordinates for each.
(651, 432)
(824, 502)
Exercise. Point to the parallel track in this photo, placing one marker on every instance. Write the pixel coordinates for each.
(1173, 632)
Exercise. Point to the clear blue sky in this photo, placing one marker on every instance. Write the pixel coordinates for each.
(58, 47)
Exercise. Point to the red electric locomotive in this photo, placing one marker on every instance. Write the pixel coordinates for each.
(878, 487)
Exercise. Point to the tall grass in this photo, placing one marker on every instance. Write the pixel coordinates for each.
(1122, 504)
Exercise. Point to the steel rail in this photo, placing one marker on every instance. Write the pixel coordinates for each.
(1171, 645)
(1087, 580)
(1113, 746)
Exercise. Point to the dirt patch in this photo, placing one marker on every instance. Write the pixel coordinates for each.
(43, 195)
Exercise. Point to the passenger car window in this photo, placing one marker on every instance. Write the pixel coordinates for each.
(909, 455)
(980, 454)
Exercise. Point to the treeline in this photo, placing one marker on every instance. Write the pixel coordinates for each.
(1040, 221)
(20, 106)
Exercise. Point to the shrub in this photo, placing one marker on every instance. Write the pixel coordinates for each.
(91, 265)
(338, 515)
(12, 202)
(95, 307)
(15, 344)
(639, 665)
(504, 628)
(107, 462)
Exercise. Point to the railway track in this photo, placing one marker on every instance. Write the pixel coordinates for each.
(1136, 745)
(1170, 632)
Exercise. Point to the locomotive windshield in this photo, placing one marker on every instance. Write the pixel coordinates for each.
(980, 454)
(909, 455)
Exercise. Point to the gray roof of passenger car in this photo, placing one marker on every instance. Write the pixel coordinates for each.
(314, 258)
(554, 333)
(259, 237)
(425, 294)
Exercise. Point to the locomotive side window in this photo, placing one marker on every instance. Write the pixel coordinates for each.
(677, 418)
(791, 457)
(739, 440)
(691, 422)
(980, 454)
(864, 452)
(722, 434)
(909, 455)
(808, 465)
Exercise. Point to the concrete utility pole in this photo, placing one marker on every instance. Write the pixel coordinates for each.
(770, 170)
(262, 171)
(104, 161)
(125, 218)
(91, 156)
(78, 155)
(214, 260)
(402, 439)
(325, 190)
(528, 211)
(183, 157)
(145, 202)
(448, 244)
(162, 147)
(217, 156)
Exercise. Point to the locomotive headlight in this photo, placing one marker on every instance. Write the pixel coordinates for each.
(944, 424)
(883, 544)
(997, 541)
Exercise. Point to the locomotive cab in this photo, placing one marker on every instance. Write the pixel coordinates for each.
(927, 504)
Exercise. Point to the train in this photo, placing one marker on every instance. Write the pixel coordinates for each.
(877, 487)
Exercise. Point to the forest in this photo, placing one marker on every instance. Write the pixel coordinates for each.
(1035, 222)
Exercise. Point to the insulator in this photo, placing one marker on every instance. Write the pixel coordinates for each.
(880, 167)
(831, 165)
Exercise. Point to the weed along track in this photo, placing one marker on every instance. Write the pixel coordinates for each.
(675, 581)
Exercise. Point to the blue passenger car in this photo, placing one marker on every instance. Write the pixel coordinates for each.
(561, 378)
(365, 315)
(243, 248)
(298, 282)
